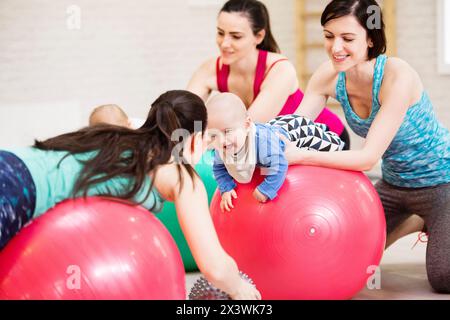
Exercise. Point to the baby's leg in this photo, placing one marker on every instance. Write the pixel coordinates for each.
(308, 134)
(17, 196)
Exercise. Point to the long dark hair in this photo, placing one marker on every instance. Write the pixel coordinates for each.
(258, 15)
(134, 153)
(360, 10)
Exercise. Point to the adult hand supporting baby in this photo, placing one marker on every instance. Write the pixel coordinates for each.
(292, 153)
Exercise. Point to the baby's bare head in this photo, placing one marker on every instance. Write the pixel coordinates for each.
(228, 122)
(226, 110)
(109, 114)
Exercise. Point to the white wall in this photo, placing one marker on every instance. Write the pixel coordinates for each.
(128, 54)
(417, 44)
(51, 75)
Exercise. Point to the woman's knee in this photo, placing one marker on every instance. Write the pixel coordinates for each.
(438, 271)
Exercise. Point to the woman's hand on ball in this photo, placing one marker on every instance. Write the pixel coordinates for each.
(246, 291)
(227, 202)
(291, 152)
(259, 196)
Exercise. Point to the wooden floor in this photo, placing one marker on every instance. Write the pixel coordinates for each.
(403, 274)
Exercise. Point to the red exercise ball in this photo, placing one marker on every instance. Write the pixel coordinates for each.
(92, 248)
(317, 240)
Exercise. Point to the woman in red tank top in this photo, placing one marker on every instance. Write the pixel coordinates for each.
(251, 67)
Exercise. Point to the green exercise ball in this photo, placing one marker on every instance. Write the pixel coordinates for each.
(168, 215)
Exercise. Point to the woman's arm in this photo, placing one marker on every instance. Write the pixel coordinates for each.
(198, 229)
(202, 81)
(320, 87)
(396, 98)
(280, 82)
(191, 204)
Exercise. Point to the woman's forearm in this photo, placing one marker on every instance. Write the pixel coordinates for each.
(357, 160)
(224, 275)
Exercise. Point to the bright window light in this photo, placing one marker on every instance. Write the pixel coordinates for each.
(444, 36)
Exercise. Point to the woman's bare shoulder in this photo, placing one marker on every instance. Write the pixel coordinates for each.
(203, 80)
(209, 64)
(273, 57)
(208, 67)
(398, 71)
(166, 180)
(395, 66)
(324, 79)
(284, 67)
(326, 70)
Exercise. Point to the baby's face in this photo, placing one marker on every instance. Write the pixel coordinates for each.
(228, 122)
(227, 136)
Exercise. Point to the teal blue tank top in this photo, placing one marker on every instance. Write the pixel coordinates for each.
(55, 179)
(419, 155)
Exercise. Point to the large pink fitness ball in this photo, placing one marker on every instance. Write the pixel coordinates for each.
(92, 249)
(321, 238)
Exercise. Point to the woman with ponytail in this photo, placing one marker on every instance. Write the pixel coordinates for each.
(145, 166)
(250, 66)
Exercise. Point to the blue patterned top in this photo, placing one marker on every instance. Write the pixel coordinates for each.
(269, 155)
(55, 174)
(419, 154)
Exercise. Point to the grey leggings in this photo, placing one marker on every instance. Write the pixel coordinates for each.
(433, 205)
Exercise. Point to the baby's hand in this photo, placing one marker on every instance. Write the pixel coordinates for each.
(259, 196)
(226, 202)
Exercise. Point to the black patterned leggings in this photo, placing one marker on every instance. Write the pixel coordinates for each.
(433, 205)
(308, 134)
(17, 196)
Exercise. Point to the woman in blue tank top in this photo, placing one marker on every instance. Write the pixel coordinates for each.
(384, 102)
(144, 166)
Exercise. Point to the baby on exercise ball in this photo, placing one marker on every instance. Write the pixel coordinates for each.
(242, 145)
(113, 114)
(109, 114)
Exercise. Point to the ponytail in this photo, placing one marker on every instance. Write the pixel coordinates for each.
(269, 43)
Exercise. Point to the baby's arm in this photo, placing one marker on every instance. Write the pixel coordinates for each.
(224, 180)
(225, 183)
(276, 174)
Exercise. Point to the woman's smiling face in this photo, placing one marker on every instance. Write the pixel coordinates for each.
(346, 42)
(235, 37)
